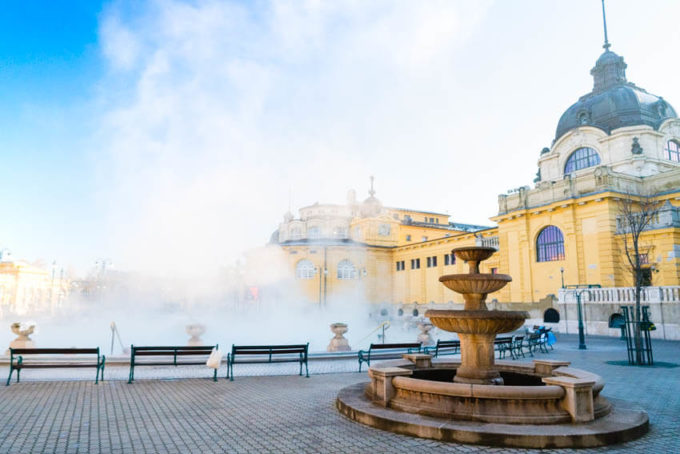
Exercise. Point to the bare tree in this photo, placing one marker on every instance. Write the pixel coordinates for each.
(635, 215)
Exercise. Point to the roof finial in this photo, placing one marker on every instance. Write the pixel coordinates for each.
(604, 20)
(372, 191)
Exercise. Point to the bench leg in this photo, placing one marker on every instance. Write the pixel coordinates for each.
(231, 374)
(215, 375)
(11, 369)
(131, 378)
(102, 377)
(307, 369)
(18, 375)
(359, 365)
(96, 380)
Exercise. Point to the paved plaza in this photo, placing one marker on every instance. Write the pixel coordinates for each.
(266, 409)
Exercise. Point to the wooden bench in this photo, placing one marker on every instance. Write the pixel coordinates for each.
(166, 353)
(364, 356)
(503, 345)
(255, 354)
(450, 347)
(18, 362)
(517, 347)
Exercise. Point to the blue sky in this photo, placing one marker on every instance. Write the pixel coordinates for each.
(163, 134)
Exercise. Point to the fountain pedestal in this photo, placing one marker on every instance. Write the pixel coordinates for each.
(477, 357)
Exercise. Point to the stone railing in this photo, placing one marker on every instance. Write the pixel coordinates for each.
(622, 295)
(601, 179)
(489, 241)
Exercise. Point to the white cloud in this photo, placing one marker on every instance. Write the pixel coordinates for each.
(228, 108)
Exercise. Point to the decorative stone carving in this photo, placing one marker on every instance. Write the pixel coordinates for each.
(339, 342)
(22, 331)
(636, 148)
(195, 330)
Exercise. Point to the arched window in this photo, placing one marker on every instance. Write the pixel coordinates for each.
(304, 269)
(673, 150)
(581, 159)
(550, 245)
(346, 270)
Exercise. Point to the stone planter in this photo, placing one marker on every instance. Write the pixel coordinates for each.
(424, 337)
(339, 342)
(195, 330)
(22, 331)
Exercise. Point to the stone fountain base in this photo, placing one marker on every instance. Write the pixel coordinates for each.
(547, 405)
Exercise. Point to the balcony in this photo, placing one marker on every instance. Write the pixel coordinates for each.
(489, 241)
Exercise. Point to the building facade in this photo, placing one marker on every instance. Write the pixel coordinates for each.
(617, 143)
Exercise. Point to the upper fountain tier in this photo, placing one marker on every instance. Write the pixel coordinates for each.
(474, 286)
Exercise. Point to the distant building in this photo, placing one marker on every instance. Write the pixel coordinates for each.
(29, 289)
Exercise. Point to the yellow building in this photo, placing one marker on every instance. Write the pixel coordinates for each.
(28, 289)
(614, 143)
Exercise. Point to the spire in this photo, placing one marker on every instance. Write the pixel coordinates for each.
(604, 21)
(610, 69)
(371, 192)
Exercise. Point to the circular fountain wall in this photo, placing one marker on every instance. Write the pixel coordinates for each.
(541, 404)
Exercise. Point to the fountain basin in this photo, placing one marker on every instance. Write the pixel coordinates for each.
(475, 283)
(549, 405)
(474, 253)
(477, 322)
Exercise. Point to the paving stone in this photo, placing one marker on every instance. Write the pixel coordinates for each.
(266, 409)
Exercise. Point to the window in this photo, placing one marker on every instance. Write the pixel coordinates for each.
(415, 264)
(450, 259)
(401, 265)
(340, 232)
(494, 270)
(432, 262)
(673, 150)
(424, 238)
(304, 269)
(346, 270)
(408, 237)
(384, 230)
(295, 233)
(581, 159)
(313, 232)
(550, 245)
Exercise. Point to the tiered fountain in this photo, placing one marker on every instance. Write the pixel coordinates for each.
(475, 324)
(543, 404)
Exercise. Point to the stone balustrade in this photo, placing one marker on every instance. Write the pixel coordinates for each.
(621, 295)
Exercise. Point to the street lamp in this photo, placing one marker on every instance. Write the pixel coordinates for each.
(580, 290)
(562, 273)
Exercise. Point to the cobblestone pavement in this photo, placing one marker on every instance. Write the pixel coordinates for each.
(278, 414)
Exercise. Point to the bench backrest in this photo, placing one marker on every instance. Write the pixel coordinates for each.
(54, 351)
(451, 343)
(503, 340)
(172, 350)
(269, 349)
(396, 346)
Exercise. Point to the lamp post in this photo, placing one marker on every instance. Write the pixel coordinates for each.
(581, 336)
(580, 290)
(562, 273)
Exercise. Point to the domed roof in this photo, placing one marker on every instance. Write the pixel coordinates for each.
(614, 102)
